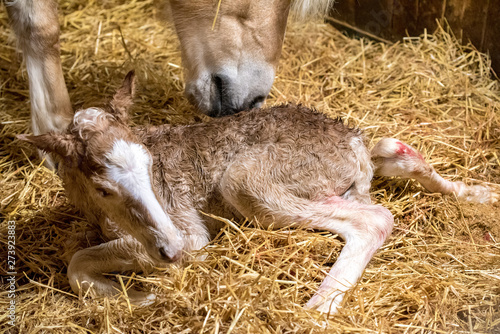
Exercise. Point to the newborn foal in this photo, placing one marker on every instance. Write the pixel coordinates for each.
(283, 165)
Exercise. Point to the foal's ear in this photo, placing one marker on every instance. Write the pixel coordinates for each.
(64, 145)
(123, 98)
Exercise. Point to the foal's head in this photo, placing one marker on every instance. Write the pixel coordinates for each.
(106, 169)
(230, 49)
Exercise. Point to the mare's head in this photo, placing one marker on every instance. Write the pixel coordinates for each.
(230, 49)
(106, 169)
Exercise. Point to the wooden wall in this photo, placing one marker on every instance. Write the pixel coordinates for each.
(477, 21)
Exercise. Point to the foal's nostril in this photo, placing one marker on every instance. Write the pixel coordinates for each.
(168, 258)
(257, 101)
(163, 254)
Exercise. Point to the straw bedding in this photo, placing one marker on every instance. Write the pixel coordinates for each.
(438, 272)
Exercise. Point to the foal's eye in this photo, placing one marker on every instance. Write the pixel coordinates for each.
(103, 192)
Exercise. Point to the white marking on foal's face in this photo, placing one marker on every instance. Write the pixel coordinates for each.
(129, 166)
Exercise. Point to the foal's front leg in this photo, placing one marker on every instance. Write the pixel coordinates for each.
(195, 233)
(87, 266)
(37, 28)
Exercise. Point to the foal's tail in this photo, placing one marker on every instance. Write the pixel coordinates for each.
(392, 157)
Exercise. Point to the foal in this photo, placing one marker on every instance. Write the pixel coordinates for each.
(283, 165)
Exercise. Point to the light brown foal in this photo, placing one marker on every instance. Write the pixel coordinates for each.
(283, 165)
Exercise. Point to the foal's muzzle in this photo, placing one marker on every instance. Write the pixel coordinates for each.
(164, 255)
(165, 251)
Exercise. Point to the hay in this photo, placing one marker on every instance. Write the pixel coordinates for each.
(439, 272)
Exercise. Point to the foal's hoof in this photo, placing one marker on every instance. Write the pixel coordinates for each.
(327, 308)
(141, 299)
(477, 193)
(324, 305)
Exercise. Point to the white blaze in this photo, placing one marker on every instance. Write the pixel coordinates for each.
(129, 165)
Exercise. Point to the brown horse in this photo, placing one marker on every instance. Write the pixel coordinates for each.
(230, 51)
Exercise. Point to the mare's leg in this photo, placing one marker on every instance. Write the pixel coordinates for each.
(87, 266)
(363, 226)
(392, 157)
(37, 28)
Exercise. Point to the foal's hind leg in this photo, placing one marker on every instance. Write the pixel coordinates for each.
(37, 28)
(87, 266)
(364, 227)
(392, 157)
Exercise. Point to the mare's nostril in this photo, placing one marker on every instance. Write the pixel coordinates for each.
(257, 101)
(219, 83)
(227, 92)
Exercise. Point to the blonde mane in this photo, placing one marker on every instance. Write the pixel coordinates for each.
(304, 9)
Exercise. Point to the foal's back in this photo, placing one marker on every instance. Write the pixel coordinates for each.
(293, 144)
